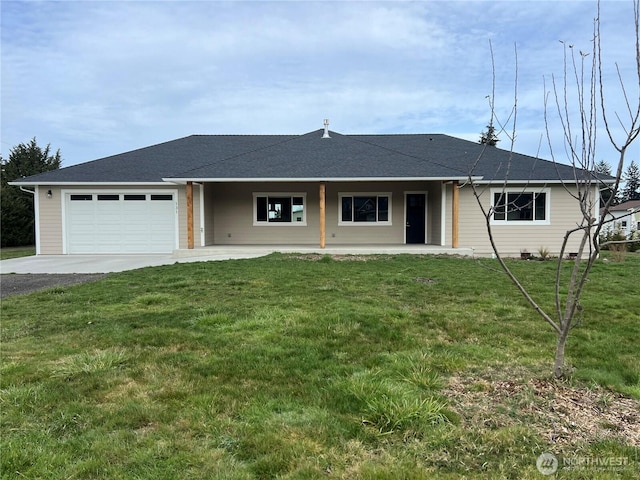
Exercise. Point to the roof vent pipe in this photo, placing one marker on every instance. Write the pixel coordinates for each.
(326, 128)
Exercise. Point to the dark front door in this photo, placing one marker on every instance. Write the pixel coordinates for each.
(415, 221)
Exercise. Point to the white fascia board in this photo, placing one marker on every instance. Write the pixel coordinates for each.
(86, 184)
(530, 182)
(319, 179)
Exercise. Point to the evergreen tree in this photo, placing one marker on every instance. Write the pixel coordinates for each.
(490, 137)
(631, 176)
(603, 168)
(17, 216)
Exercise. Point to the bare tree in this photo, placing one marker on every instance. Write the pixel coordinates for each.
(583, 77)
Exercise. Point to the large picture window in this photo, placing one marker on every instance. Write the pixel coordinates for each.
(364, 209)
(279, 208)
(520, 206)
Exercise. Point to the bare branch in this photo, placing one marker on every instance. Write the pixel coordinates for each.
(584, 187)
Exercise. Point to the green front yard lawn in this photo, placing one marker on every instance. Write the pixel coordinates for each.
(308, 366)
(16, 252)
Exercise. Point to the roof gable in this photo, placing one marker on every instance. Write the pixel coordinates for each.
(310, 156)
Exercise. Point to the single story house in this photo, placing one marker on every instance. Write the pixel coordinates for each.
(318, 189)
(623, 218)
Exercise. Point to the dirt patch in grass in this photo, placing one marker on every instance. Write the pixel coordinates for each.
(426, 281)
(563, 414)
(315, 257)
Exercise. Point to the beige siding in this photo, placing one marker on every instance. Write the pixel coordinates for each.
(198, 227)
(511, 239)
(447, 214)
(210, 192)
(364, 233)
(229, 214)
(434, 214)
(50, 220)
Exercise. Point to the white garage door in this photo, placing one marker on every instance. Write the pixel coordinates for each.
(120, 222)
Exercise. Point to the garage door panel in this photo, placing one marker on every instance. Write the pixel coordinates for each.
(136, 208)
(120, 223)
(133, 228)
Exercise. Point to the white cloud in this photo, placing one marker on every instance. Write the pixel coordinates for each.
(98, 78)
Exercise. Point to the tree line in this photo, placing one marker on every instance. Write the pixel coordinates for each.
(631, 179)
(17, 213)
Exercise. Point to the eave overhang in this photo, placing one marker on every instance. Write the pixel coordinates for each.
(539, 182)
(180, 181)
(82, 184)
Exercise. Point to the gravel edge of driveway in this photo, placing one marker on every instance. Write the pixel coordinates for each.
(21, 284)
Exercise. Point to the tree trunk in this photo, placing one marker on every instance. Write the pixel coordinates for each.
(558, 365)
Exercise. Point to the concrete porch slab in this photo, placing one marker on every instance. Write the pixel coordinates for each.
(260, 250)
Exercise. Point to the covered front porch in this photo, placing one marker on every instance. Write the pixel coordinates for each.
(419, 216)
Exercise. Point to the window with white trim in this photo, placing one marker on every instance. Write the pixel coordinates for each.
(82, 198)
(518, 206)
(364, 208)
(279, 209)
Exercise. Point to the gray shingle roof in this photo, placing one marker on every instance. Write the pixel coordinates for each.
(308, 156)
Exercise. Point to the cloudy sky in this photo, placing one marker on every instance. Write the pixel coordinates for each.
(95, 78)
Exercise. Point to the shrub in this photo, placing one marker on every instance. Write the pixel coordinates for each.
(618, 251)
(611, 236)
(635, 245)
(543, 252)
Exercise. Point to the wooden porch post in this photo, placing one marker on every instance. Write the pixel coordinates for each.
(455, 214)
(190, 215)
(322, 214)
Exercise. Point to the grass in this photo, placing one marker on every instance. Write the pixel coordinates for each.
(16, 252)
(308, 367)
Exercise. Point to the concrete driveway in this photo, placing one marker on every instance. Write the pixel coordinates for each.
(64, 264)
